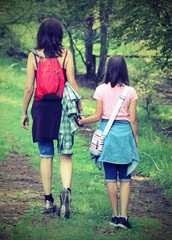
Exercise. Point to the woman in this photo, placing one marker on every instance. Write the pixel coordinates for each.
(46, 113)
(119, 155)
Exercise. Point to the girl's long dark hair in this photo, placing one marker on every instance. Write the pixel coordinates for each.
(116, 71)
(49, 37)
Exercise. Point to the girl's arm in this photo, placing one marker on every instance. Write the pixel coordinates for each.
(71, 77)
(133, 120)
(96, 116)
(29, 88)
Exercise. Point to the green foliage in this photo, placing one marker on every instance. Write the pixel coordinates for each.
(9, 41)
(146, 80)
(14, 12)
(149, 21)
(27, 35)
(155, 152)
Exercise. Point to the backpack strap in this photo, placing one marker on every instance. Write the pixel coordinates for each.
(36, 56)
(34, 51)
(65, 59)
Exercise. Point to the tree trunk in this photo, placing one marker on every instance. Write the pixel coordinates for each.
(90, 58)
(72, 49)
(103, 53)
(105, 9)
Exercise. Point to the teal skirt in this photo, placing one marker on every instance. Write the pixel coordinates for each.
(119, 146)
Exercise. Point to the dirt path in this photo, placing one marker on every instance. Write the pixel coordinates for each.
(20, 186)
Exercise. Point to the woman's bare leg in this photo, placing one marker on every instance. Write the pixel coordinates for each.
(66, 167)
(46, 174)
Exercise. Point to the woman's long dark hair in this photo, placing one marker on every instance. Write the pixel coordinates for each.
(49, 37)
(116, 71)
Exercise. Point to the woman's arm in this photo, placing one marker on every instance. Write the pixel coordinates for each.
(29, 88)
(96, 116)
(71, 77)
(133, 120)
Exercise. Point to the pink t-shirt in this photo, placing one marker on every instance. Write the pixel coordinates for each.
(110, 97)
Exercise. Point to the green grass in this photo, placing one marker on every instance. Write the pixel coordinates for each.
(86, 229)
(90, 205)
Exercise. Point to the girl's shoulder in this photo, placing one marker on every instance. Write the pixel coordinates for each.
(131, 89)
(102, 85)
(132, 93)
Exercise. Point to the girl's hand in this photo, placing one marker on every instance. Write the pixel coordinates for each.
(25, 121)
(136, 140)
(79, 121)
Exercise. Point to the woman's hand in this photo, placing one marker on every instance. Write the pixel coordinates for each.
(25, 122)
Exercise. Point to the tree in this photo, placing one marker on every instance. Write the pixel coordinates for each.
(90, 58)
(88, 22)
(13, 12)
(149, 21)
(104, 12)
(89, 25)
(92, 18)
(80, 29)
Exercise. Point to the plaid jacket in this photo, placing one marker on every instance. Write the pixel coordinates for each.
(68, 124)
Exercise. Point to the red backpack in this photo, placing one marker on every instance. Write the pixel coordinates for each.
(50, 78)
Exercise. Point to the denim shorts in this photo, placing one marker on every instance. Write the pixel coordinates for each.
(46, 149)
(115, 171)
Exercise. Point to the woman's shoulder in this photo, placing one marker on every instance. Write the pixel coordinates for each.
(66, 51)
(67, 55)
(31, 57)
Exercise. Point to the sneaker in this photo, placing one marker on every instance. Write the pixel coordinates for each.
(65, 201)
(50, 207)
(114, 221)
(124, 223)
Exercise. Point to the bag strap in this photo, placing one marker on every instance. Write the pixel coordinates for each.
(115, 111)
(65, 59)
(36, 56)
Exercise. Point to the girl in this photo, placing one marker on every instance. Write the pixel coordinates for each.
(119, 155)
(46, 114)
